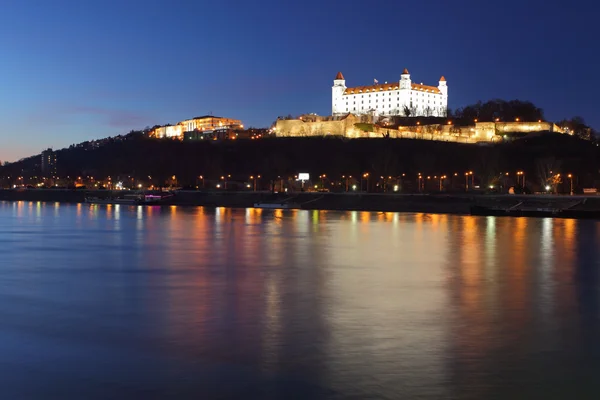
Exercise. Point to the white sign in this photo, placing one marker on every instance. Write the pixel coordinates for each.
(303, 176)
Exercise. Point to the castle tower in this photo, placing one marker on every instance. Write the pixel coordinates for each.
(337, 92)
(443, 86)
(444, 90)
(404, 92)
(405, 80)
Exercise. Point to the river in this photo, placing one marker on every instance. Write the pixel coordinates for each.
(129, 302)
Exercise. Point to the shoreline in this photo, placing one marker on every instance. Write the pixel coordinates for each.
(443, 203)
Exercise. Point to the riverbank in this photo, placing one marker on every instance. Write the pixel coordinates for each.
(458, 203)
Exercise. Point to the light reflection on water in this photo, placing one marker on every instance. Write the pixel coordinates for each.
(122, 301)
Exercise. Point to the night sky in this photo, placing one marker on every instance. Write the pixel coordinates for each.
(77, 70)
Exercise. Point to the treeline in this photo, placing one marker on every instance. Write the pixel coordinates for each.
(540, 158)
(516, 110)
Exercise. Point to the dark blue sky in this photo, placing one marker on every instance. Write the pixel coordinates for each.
(73, 70)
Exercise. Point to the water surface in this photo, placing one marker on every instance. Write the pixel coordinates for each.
(149, 302)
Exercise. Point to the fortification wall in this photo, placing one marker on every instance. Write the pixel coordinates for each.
(480, 132)
(526, 127)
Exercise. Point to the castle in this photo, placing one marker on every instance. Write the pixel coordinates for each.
(398, 98)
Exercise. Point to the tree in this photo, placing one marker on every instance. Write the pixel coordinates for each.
(548, 169)
(407, 111)
(576, 126)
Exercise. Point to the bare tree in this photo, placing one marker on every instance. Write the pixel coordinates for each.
(548, 170)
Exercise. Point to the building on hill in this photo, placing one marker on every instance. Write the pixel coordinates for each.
(206, 124)
(48, 163)
(397, 98)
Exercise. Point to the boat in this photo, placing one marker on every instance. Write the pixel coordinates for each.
(140, 198)
(110, 200)
(150, 199)
(539, 212)
(285, 206)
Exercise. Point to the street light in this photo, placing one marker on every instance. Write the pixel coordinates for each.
(441, 181)
(467, 180)
(570, 176)
(521, 173)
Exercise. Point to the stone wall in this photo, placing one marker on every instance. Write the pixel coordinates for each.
(481, 132)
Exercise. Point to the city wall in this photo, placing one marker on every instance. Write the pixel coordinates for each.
(351, 127)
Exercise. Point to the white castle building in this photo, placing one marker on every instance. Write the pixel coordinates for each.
(398, 98)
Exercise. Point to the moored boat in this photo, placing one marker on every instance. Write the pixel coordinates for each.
(535, 212)
(277, 205)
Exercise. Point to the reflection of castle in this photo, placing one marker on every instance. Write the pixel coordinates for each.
(397, 98)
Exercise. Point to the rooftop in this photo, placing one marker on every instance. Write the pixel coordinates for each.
(390, 86)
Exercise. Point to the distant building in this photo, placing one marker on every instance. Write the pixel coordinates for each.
(403, 98)
(48, 163)
(206, 124)
(210, 123)
(169, 131)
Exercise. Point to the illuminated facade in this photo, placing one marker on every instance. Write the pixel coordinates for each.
(206, 124)
(48, 163)
(403, 98)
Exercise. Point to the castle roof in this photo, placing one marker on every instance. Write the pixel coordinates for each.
(390, 86)
(442, 79)
(405, 71)
(339, 76)
(424, 88)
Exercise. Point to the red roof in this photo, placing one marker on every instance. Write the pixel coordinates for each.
(442, 79)
(389, 86)
(339, 76)
(405, 71)
(424, 88)
(372, 88)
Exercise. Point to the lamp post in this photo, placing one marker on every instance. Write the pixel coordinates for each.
(202, 179)
(570, 176)
(467, 174)
(322, 177)
(441, 181)
(224, 179)
(466, 181)
(420, 179)
(522, 174)
(346, 178)
(366, 177)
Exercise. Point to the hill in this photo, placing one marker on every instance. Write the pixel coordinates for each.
(137, 158)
